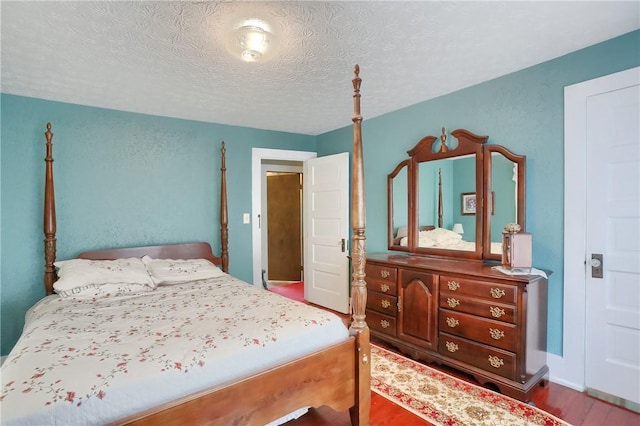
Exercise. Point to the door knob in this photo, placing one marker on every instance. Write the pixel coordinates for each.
(596, 265)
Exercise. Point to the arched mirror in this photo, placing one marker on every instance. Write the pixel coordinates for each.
(398, 206)
(453, 198)
(448, 184)
(505, 188)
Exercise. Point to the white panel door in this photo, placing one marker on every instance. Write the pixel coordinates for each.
(612, 359)
(326, 231)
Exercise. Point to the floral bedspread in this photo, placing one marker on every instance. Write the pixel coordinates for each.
(94, 361)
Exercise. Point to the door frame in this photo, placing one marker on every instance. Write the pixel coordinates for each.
(572, 362)
(258, 155)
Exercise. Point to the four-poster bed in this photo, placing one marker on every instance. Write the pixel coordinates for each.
(333, 370)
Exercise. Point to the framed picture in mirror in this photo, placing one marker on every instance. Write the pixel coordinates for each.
(468, 203)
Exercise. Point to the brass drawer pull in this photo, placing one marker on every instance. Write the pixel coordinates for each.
(451, 347)
(453, 285)
(452, 322)
(495, 361)
(384, 288)
(497, 293)
(384, 323)
(496, 312)
(452, 302)
(385, 303)
(496, 334)
(384, 273)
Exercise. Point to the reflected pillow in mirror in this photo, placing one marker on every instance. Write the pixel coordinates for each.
(402, 232)
(444, 237)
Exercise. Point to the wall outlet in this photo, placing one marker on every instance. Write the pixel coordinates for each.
(246, 218)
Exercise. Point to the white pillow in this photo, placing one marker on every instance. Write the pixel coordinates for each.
(176, 271)
(76, 275)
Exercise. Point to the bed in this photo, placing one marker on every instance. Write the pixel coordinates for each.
(171, 338)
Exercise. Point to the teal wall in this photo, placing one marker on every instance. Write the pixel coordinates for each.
(523, 111)
(128, 179)
(121, 179)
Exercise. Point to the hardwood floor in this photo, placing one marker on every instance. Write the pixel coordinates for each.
(575, 408)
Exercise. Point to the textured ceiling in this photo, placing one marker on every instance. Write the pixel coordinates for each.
(173, 58)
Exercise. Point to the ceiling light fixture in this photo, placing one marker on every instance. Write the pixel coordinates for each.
(254, 40)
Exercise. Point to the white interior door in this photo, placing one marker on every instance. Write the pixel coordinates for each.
(326, 231)
(612, 356)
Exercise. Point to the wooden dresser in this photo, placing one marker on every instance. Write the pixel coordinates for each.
(464, 314)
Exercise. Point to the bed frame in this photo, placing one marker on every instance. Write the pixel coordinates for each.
(338, 376)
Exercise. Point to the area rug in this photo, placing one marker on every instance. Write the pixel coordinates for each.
(293, 291)
(444, 400)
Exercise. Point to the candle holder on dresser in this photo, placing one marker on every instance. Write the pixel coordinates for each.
(516, 248)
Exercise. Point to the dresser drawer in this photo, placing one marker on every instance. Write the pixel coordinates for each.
(381, 278)
(481, 307)
(380, 322)
(383, 303)
(490, 332)
(503, 293)
(479, 355)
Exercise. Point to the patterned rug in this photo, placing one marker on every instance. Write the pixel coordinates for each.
(442, 399)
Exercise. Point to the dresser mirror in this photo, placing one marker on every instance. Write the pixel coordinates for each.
(505, 188)
(398, 206)
(453, 197)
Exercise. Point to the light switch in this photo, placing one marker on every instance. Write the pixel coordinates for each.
(246, 218)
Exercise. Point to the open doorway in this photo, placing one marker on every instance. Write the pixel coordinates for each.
(261, 157)
(281, 223)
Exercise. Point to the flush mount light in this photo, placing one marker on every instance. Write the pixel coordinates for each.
(254, 40)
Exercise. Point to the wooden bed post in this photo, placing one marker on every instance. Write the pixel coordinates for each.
(49, 217)
(224, 217)
(359, 328)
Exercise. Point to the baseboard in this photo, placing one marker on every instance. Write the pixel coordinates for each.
(557, 366)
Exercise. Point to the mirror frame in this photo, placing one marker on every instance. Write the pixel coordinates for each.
(521, 161)
(390, 177)
(431, 148)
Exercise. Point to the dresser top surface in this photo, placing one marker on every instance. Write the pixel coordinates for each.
(471, 268)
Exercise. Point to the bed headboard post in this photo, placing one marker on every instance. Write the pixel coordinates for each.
(49, 217)
(224, 216)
